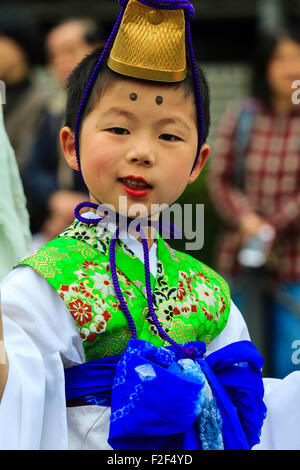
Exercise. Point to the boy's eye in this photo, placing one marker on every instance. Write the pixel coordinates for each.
(118, 131)
(169, 137)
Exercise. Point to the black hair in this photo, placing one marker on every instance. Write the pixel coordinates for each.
(79, 78)
(266, 45)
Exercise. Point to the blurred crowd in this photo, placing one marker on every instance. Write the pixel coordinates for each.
(254, 185)
(253, 178)
(34, 113)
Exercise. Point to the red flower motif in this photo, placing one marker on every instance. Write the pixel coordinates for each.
(176, 311)
(223, 305)
(64, 289)
(124, 278)
(100, 326)
(92, 336)
(189, 284)
(85, 291)
(88, 264)
(82, 335)
(207, 313)
(180, 291)
(80, 311)
(202, 276)
(106, 315)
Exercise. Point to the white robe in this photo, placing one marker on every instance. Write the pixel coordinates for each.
(42, 339)
(15, 234)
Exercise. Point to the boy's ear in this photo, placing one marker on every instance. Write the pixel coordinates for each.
(67, 140)
(202, 159)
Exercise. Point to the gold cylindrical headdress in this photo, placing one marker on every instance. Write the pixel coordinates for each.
(150, 44)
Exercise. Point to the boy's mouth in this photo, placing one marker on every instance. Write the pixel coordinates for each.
(135, 186)
(135, 182)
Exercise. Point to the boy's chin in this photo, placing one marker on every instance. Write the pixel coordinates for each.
(127, 210)
(139, 210)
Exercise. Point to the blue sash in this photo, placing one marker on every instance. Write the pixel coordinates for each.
(160, 400)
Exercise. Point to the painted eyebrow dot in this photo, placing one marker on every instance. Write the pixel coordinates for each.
(133, 96)
(159, 100)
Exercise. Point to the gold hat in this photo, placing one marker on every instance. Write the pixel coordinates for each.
(150, 44)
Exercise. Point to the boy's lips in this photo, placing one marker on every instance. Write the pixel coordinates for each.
(135, 186)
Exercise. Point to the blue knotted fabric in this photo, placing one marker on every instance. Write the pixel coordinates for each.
(92, 381)
(157, 397)
(161, 400)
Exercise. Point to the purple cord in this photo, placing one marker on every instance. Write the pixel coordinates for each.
(84, 100)
(112, 259)
(152, 313)
(188, 351)
(171, 5)
(163, 5)
(198, 99)
(84, 219)
(93, 78)
(189, 13)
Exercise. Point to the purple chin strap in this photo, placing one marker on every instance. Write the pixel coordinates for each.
(187, 351)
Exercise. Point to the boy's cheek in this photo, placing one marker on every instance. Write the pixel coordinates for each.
(93, 161)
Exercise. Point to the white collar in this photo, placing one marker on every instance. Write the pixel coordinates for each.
(131, 242)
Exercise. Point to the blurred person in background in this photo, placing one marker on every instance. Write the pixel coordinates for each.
(20, 40)
(14, 220)
(52, 188)
(254, 184)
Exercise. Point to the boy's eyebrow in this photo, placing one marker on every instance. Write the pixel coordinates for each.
(129, 115)
(120, 112)
(176, 120)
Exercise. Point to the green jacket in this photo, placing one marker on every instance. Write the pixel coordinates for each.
(192, 302)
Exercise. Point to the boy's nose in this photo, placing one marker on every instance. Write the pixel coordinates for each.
(141, 156)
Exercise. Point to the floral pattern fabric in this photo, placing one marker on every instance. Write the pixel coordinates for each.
(191, 301)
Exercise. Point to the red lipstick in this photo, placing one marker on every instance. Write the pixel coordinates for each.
(135, 186)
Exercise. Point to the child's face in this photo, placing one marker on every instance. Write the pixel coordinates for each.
(139, 142)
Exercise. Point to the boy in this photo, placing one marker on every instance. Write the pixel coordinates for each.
(85, 298)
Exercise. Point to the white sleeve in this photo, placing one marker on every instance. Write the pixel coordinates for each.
(281, 428)
(40, 338)
(235, 330)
